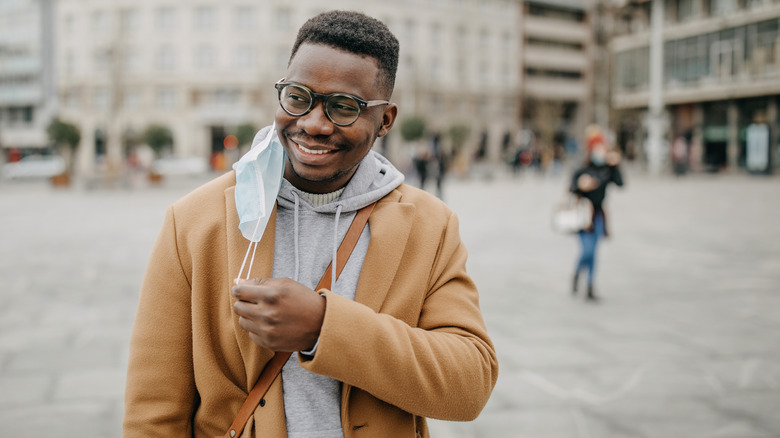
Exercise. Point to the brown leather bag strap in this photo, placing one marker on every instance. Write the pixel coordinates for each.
(274, 366)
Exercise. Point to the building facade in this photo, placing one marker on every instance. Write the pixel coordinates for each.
(27, 88)
(203, 69)
(721, 80)
(557, 61)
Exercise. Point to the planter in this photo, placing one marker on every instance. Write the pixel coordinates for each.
(155, 178)
(61, 180)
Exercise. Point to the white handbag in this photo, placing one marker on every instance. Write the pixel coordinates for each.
(573, 214)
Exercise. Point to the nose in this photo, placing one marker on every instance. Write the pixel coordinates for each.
(316, 122)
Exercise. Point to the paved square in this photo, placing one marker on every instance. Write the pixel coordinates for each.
(683, 344)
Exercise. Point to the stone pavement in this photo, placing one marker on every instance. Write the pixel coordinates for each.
(683, 344)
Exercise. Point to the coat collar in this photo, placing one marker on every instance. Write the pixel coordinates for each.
(390, 224)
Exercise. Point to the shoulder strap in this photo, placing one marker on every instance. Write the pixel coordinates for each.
(274, 366)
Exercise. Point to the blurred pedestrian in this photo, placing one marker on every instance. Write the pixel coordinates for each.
(590, 181)
(390, 334)
(680, 155)
(421, 160)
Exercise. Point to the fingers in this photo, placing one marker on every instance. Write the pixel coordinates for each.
(252, 290)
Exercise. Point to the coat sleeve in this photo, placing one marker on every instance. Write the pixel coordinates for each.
(443, 368)
(617, 176)
(160, 395)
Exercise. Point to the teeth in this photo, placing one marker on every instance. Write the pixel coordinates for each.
(312, 151)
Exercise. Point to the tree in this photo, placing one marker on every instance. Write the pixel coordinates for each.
(412, 128)
(245, 133)
(158, 137)
(66, 137)
(458, 134)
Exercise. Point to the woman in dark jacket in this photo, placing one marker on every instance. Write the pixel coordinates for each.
(590, 182)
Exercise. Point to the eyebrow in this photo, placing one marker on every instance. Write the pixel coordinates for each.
(326, 94)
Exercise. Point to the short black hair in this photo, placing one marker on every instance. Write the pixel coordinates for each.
(355, 33)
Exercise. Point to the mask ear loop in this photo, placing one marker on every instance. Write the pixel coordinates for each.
(253, 248)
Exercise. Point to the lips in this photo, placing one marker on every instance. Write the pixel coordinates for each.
(311, 151)
(312, 155)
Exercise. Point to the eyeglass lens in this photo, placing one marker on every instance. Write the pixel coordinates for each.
(341, 109)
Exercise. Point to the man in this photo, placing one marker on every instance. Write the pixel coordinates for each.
(398, 337)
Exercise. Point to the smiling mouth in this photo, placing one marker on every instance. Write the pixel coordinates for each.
(312, 151)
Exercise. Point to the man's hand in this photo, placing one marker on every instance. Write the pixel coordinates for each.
(280, 314)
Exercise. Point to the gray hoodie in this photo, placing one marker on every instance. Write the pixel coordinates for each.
(307, 238)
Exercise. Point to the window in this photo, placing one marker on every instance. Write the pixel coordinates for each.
(484, 72)
(222, 97)
(506, 42)
(461, 69)
(165, 18)
(435, 69)
(244, 57)
(101, 60)
(684, 10)
(553, 44)
(69, 24)
(722, 7)
(131, 61)
(436, 34)
(205, 17)
(70, 63)
(132, 98)
(166, 97)
(484, 39)
(99, 21)
(27, 114)
(558, 13)
(71, 99)
(461, 36)
(506, 74)
(129, 20)
(100, 99)
(205, 57)
(632, 69)
(165, 59)
(245, 18)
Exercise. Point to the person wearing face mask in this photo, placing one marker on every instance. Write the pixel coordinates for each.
(252, 322)
(590, 181)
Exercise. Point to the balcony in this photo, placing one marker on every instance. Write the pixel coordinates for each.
(556, 30)
(556, 89)
(555, 59)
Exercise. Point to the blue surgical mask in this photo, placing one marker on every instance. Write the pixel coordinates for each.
(598, 158)
(258, 179)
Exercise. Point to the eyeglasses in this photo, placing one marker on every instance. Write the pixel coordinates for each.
(342, 109)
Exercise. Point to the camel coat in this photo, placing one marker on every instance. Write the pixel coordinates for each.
(411, 345)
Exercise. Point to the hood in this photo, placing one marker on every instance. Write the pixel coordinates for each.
(374, 179)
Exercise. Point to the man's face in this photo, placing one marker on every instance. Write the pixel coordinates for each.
(322, 156)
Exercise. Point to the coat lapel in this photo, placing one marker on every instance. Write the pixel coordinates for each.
(390, 224)
(255, 357)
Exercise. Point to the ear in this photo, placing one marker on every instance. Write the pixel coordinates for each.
(388, 118)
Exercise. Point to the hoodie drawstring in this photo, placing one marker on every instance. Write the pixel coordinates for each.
(334, 262)
(295, 234)
(253, 248)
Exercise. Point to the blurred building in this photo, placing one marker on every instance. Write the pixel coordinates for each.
(557, 58)
(27, 89)
(202, 69)
(721, 78)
